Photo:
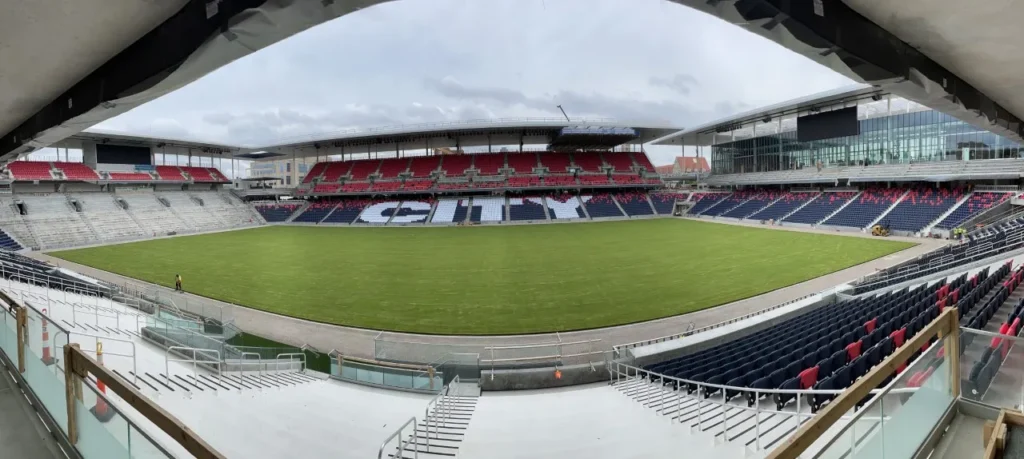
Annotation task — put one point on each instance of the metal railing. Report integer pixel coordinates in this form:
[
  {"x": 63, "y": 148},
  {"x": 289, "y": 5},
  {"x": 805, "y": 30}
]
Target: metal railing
[
  {"x": 670, "y": 384},
  {"x": 195, "y": 361},
  {"x": 61, "y": 398},
  {"x": 402, "y": 444},
  {"x": 442, "y": 414}
]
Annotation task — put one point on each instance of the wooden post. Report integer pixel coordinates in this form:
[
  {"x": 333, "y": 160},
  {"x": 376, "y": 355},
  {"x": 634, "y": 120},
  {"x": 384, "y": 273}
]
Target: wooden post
[
  {"x": 21, "y": 316},
  {"x": 952, "y": 354},
  {"x": 72, "y": 391}
]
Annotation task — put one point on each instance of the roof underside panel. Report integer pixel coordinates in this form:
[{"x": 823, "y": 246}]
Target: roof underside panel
[
  {"x": 832, "y": 34},
  {"x": 194, "y": 40}
]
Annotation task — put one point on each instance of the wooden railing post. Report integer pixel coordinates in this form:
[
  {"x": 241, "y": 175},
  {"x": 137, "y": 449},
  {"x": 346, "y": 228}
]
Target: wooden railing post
[
  {"x": 72, "y": 391},
  {"x": 21, "y": 316}
]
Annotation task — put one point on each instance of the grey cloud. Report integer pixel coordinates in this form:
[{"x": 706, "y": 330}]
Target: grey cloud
[
  {"x": 680, "y": 83},
  {"x": 578, "y": 104}
]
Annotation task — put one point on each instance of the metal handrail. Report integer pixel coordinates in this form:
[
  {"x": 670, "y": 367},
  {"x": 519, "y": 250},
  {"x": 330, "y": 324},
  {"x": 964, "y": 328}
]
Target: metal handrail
[
  {"x": 135, "y": 368},
  {"x": 290, "y": 354},
  {"x": 401, "y": 443},
  {"x": 194, "y": 360},
  {"x": 725, "y": 405},
  {"x": 259, "y": 366}
]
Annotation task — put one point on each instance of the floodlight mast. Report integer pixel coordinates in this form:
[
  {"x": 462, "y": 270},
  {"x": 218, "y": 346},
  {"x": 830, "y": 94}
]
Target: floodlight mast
[{"x": 563, "y": 113}]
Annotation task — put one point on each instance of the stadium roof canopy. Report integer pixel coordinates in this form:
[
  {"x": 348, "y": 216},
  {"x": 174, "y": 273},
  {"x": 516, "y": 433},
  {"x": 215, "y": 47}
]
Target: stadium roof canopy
[
  {"x": 384, "y": 140},
  {"x": 553, "y": 132},
  {"x": 960, "y": 58},
  {"x": 69, "y": 64},
  {"x": 704, "y": 134}
]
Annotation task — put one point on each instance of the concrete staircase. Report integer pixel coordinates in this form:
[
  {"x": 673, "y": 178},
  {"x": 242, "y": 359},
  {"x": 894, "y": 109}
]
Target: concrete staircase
[
  {"x": 928, "y": 229},
  {"x": 893, "y": 206},
  {"x": 441, "y": 433},
  {"x": 801, "y": 206},
  {"x": 732, "y": 423}
]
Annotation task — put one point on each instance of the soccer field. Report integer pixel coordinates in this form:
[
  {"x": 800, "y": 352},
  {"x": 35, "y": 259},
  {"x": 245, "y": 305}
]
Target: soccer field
[{"x": 488, "y": 279}]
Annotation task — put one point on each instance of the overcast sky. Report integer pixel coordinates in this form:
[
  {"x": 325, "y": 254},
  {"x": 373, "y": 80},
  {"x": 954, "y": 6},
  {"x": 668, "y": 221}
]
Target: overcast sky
[{"x": 415, "y": 61}]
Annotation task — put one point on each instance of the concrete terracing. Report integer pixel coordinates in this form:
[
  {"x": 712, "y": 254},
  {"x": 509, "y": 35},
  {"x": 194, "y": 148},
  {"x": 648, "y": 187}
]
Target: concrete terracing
[{"x": 424, "y": 348}]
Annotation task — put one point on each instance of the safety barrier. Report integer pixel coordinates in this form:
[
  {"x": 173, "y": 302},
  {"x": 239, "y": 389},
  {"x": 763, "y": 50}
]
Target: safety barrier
[
  {"x": 400, "y": 450},
  {"x": 73, "y": 403},
  {"x": 908, "y": 427}
]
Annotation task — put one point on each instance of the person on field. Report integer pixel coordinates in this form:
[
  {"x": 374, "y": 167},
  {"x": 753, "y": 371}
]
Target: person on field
[{"x": 177, "y": 283}]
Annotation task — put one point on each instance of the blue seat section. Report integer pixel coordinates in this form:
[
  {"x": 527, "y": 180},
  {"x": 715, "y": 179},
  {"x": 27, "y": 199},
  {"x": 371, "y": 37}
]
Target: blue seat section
[
  {"x": 820, "y": 208},
  {"x": 32, "y": 271},
  {"x": 704, "y": 201},
  {"x": 7, "y": 242},
  {"x": 782, "y": 207},
  {"x": 664, "y": 203},
  {"x": 830, "y": 346},
  {"x": 273, "y": 213},
  {"x": 601, "y": 205},
  {"x": 974, "y": 205},
  {"x": 316, "y": 212},
  {"x": 461, "y": 211},
  {"x": 866, "y": 208},
  {"x": 984, "y": 243},
  {"x": 920, "y": 207},
  {"x": 530, "y": 209},
  {"x": 636, "y": 204},
  {"x": 347, "y": 211},
  {"x": 733, "y": 200},
  {"x": 757, "y": 202}
]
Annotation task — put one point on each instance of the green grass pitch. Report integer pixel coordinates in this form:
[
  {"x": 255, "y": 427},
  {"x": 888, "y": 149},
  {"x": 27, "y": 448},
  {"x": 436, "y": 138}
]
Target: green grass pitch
[{"x": 488, "y": 279}]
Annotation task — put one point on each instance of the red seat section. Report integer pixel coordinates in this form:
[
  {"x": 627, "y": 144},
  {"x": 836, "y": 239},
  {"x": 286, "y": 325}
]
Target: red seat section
[
  {"x": 387, "y": 186},
  {"x": 30, "y": 170},
  {"x": 170, "y": 173},
  {"x": 489, "y": 163},
  {"x": 326, "y": 188},
  {"x": 315, "y": 172},
  {"x": 130, "y": 176},
  {"x": 203, "y": 174},
  {"x": 454, "y": 185},
  {"x": 522, "y": 163},
  {"x": 390, "y": 168},
  {"x": 357, "y": 187},
  {"x": 619, "y": 160},
  {"x": 627, "y": 179},
  {"x": 523, "y": 181},
  {"x": 644, "y": 161},
  {"x": 588, "y": 161},
  {"x": 557, "y": 163},
  {"x": 335, "y": 171},
  {"x": 594, "y": 180},
  {"x": 560, "y": 180},
  {"x": 418, "y": 184},
  {"x": 76, "y": 171},
  {"x": 422, "y": 166},
  {"x": 362, "y": 169},
  {"x": 456, "y": 165}
]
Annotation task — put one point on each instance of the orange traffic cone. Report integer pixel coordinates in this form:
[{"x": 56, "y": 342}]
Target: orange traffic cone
[
  {"x": 101, "y": 410},
  {"x": 47, "y": 358}
]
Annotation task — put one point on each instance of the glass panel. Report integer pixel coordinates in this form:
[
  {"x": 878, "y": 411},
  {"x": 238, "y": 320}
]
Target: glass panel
[
  {"x": 102, "y": 431},
  {"x": 42, "y": 374},
  {"x": 989, "y": 368}
]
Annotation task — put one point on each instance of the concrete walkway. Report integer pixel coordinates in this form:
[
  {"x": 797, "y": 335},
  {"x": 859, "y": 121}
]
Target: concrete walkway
[
  {"x": 426, "y": 348},
  {"x": 22, "y": 434}
]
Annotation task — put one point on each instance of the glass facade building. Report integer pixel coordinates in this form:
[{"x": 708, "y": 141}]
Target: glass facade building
[{"x": 913, "y": 136}]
